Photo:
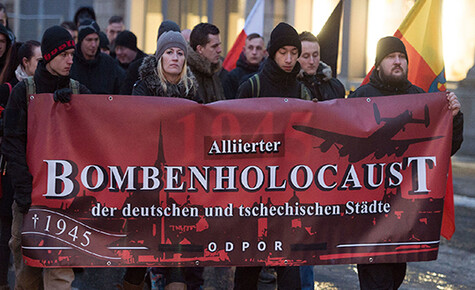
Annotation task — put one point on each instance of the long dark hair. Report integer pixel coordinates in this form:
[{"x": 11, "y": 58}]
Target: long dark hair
[
  {"x": 11, "y": 63},
  {"x": 17, "y": 52}
]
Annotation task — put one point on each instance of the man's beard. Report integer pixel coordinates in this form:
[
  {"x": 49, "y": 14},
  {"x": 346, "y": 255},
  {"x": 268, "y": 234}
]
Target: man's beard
[{"x": 393, "y": 80}]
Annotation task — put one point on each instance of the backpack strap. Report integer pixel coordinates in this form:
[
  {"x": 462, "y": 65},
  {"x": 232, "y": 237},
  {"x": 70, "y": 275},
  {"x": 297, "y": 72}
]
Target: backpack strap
[
  {"x": 255, "y": 85},
  {"x": 30, "y": 88},
  {"x": 74, "y": 86}
]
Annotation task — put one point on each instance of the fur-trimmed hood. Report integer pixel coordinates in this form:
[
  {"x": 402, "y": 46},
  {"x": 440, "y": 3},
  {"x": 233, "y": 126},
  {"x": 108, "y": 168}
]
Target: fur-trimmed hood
[
  {"x": 324, "y": 72},
  {"x": 201, "y": 65},
  {"x": 149, "y": 76}
]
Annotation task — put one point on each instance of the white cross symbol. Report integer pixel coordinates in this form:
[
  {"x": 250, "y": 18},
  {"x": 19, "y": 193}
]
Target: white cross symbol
[{"x": 35, "y": 218}]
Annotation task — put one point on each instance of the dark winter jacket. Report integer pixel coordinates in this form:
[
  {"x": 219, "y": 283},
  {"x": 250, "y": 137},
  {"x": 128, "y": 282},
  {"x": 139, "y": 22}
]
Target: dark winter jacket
[
  {"x": 241, "y": 73},
  {"x": 150, "y": 85},
  {"x": 211, "y": 77},
  {"x": 275, "y": 82},
  {"x": 140, "y": 55},
  {"x": 322, "y": 85},
  {"x": 14, "y": 140},
  {"x": 100, "y": 75},
  {"x": 376, "y": 88},
  {"x": 131, "y": 77}
]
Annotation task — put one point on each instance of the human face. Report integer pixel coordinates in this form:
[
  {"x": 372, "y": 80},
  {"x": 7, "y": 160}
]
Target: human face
[
  {"x": 310, "y": 57},
  {"x": 172, "y": 64},
  {"x": 30, "y": 65},
  {"x": 61, "y": 64},
  {"x": 286, "y": 57},
  {"x": 393, "y": 68},
  {"x": 3, "y": 44},
  {"x": 90, "y": 45},
  {"x": 113, "y": 30},
  {"x": 125, "y": 54},
  {"x": 254, "y": 50},
  {"x": 212, "y": 50}
]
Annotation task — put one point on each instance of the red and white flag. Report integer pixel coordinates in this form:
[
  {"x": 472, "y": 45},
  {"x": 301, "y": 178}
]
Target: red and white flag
[{"x": 254, "y": 24}]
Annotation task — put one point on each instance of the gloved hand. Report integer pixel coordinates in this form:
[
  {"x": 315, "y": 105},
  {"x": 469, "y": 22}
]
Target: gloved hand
[{"x": 63, "y": 95}]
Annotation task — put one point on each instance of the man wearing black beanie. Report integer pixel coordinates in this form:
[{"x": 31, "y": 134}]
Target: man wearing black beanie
[
  {"x": 387, "y": 79},
  {"x": 126, "y": 49},
  {"x": 51, "y": 76},
  {"x": 96, "y": 70},
  {"x": 278, "y": 78}
]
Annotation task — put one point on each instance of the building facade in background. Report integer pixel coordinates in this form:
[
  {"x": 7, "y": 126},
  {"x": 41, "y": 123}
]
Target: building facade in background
[{"x": 363, "y": 23}]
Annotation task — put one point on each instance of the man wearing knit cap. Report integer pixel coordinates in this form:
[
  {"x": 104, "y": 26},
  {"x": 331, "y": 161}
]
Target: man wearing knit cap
[
  {"x": 51, "y": 76},
  {"x": 390, "y": 78},
  {"x": 278, "y": 78},
  {"x": 126, "y": 50},
  {"x": 204, "y": 59},
  {"x": 132, "y": 74},
  {"x": 99, "y": 72}
]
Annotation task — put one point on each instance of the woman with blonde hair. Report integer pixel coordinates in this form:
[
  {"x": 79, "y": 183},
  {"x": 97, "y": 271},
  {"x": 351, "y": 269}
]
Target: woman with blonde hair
[{"x": 166, "y": 73}]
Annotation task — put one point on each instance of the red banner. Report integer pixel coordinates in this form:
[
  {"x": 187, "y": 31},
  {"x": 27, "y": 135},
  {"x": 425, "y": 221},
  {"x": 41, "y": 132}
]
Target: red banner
[{"x": 146, "y": 181}]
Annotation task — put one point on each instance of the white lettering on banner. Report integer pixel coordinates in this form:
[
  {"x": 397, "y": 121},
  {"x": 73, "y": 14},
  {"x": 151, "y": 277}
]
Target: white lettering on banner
[
  {"x": 239, "y": 147},
  {"x": 62, "y": 177},
  {"x": 261, "y": 246}
]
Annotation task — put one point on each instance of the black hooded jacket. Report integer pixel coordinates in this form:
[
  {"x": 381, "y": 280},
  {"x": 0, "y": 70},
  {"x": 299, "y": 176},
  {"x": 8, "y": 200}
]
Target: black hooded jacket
[
  {"x": 376, "y": 88},
  {"x": 101, "y": 75},
  {"x": 15, "y": 132},
  {"x": 322, "y": 85},
  {"x": 242, "y": 72},
  {"x": 275, "y": 82}
]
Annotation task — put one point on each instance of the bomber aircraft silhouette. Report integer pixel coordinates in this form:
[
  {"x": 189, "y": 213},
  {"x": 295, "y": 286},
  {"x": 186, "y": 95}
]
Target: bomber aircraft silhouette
[{"x": 380, "y": 142}]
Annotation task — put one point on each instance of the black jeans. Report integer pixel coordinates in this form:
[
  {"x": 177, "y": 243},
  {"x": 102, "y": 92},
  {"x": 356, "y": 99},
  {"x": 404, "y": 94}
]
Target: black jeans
[
  {"x": 246, "y": 278},
  {"x": 381, "y": 276}
]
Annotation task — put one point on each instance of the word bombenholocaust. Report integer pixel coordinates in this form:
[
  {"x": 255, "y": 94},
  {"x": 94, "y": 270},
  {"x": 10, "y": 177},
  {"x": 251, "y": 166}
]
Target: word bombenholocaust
[{"x": 64, "y": 178}]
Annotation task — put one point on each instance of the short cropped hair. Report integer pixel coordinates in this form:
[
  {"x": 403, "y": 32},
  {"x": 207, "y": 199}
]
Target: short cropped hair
[
  {"x": 116, "y": 19},
  {"x": 254, "y": 35},
  {"x": 199, "y": 34},
  {"x": 307, "y": 36}
]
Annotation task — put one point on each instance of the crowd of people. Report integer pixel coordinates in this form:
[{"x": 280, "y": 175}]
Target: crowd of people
[{"x": 76, "y": 57}]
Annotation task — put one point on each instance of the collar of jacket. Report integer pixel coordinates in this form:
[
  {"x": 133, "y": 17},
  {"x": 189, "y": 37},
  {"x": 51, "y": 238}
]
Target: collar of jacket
[
  {"x": 242, "y": 63},
  {"x": 272, "y": 71},
  {"x": 201, "y": 65},
  {"x": 323, "y": 74},
  {"x": 46, "y": 82}
]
